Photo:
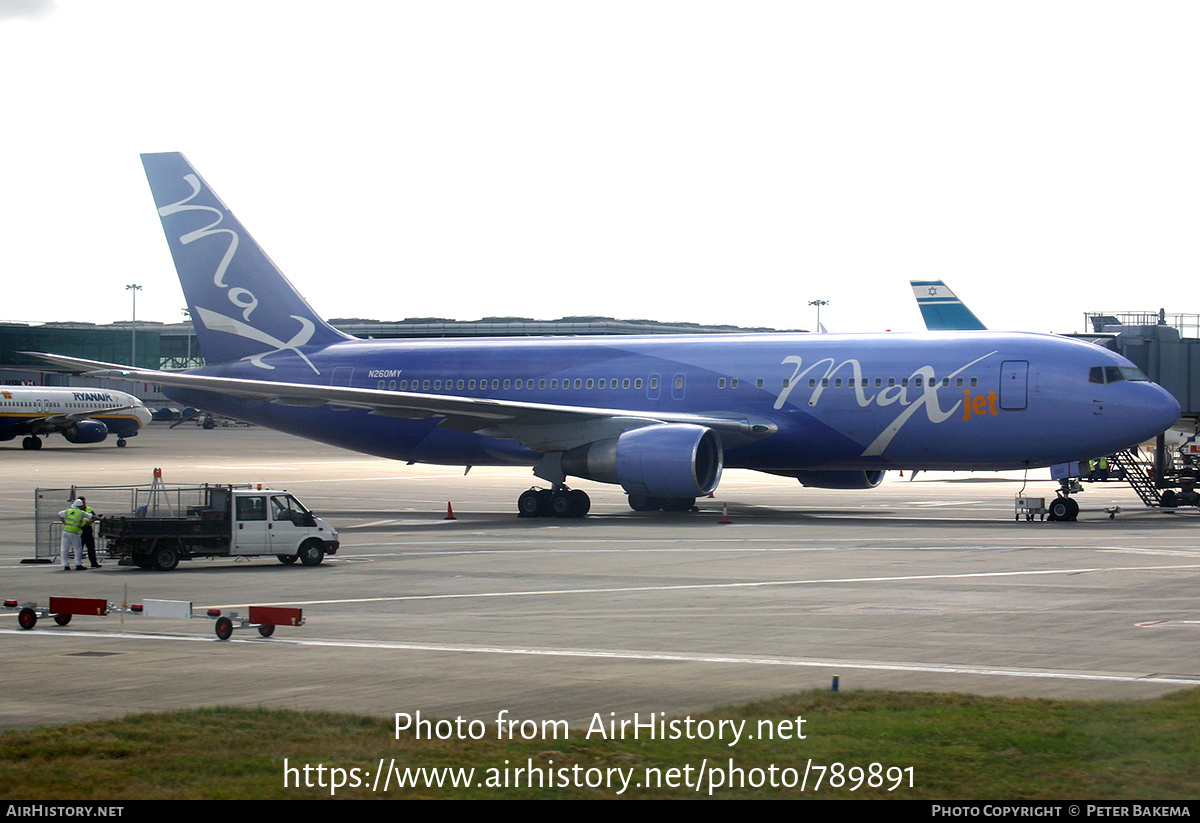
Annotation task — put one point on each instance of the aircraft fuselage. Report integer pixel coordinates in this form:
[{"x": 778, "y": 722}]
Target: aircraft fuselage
[{"x": 983, "y": 401}]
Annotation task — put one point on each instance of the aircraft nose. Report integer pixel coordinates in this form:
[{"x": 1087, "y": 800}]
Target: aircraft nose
[{"x": 1163, "y": 410}]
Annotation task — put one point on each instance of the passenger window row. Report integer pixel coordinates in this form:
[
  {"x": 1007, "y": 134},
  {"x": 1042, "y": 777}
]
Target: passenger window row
[{"x": 518, "y": 384}]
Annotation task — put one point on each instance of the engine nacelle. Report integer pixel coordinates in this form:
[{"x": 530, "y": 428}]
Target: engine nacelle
[
  {"x": 840, "y": 479},
  {"x": 86, "y": 431},
  {"x": 663, "y": 460}
]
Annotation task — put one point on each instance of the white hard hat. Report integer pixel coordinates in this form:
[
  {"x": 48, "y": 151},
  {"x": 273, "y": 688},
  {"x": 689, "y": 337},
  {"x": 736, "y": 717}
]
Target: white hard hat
[{"x": 78, "y": 504}]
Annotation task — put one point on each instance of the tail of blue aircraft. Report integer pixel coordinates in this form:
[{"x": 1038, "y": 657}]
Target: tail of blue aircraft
[
  {"x": 941, "y": 309},
  {"x": 242, "y": 306}
]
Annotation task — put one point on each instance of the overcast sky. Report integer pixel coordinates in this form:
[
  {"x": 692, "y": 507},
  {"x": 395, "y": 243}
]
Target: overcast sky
[{"x": 711, "y": 162}]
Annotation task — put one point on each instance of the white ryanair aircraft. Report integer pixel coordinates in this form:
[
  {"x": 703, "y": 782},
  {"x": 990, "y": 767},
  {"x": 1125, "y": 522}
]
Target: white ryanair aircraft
[{"x": 80, "y": 415}]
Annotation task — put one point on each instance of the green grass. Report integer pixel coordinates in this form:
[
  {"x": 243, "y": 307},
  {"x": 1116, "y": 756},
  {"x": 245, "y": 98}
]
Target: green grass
[{"x": 958, "y": 747}]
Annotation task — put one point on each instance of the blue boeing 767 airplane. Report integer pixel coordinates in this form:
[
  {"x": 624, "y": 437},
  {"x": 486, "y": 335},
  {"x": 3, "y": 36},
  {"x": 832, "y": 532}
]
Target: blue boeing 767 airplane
[{"x": 660, "y": 416}]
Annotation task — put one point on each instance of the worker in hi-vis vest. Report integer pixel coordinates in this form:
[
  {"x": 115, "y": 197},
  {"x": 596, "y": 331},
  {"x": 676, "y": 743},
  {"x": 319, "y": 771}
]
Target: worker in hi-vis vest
[{"x": 72, "y": 534}]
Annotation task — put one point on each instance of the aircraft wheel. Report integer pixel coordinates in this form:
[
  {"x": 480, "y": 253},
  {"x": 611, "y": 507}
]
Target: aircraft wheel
[
  {"x": 1064, "y": 509},
  {"x": 1072, "y": 510},
  {"x": 62, "y": 619},
  {"x": 122, "y": 443},
  {"x": 560, "y": 504},
  {"x": 224, "y": 628},
  {"x": 1170, "y": 499},
  {"x": 32, "y": 443},
  {"x": 570, "y": 503},
  {"x": 580, "y": 503},
  {"x": 266, "y": 630},
  {"x": 533, "y": 503},
  {"x": 312, "y": 553},
  {"x": 287, "y": 559},
  {"x": 643, "y": 503},
  {"x": 27, "y": 618}
]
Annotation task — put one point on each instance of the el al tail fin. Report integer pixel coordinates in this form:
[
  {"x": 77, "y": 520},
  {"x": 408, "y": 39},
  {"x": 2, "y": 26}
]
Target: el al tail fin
[
  {"x": 942, "y": 310},
  {"x": 242, "y": 306}
]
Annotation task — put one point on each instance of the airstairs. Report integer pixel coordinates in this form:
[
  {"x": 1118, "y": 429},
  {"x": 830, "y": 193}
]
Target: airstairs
[{"x": 1135, "y": 474}]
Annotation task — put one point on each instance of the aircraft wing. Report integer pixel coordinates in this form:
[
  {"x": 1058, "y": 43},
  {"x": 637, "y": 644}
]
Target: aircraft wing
[{"x": 540, "y": 426}]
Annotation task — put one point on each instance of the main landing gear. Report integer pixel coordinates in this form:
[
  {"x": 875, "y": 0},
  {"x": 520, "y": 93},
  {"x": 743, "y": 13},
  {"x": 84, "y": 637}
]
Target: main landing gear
[
  {"x": 558, "y": 502},
  {"x": 32, "y": 442}
]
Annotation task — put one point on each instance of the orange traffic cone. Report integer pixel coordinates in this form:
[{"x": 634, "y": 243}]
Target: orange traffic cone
[
  {"x": 724, "y": 514},
  {"x": 449, "y": 512}
]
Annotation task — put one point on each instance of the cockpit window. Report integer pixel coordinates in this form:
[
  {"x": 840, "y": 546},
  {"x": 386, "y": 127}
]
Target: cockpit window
[{"x": 1114, "y": 374}]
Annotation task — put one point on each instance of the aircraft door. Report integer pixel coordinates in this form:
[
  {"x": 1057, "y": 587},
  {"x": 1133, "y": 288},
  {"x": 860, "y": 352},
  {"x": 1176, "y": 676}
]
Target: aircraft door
[{"x": 1014, "y": 384}]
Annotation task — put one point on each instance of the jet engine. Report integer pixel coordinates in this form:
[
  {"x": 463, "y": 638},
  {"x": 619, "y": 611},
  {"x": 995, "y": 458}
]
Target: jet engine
[
  {"x": 86, "y": 431},
  {"x": 675, "y": 460},
  {"x": 839, "y": 479}
]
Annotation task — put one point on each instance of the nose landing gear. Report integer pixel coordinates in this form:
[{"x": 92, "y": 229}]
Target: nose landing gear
[{"x": 1064, "y": 507}]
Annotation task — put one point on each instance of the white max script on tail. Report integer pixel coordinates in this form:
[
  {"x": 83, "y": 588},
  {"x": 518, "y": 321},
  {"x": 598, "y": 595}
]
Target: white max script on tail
[{"x": 243, "y": 298}]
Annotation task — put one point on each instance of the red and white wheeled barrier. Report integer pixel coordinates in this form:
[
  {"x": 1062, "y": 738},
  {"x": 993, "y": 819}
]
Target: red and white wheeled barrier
[{"x": 62, "y": 609}]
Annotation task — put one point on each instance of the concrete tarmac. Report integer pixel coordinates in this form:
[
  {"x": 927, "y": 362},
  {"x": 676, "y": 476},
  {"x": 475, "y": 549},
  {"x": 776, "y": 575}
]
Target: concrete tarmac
[{"x": 928, "y": 584}]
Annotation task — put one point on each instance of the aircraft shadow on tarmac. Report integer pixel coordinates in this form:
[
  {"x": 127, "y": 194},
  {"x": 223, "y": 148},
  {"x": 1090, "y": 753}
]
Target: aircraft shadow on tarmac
[{"x": 655, "y": 522}]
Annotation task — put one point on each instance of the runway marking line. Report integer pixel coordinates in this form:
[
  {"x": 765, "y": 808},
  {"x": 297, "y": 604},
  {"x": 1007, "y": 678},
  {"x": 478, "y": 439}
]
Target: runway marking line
[
  {"x": 699, "y": 586},
  {"x": 667, "y": 657}
]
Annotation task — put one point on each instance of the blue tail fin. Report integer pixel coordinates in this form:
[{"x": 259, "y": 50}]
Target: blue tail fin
[
  {"x": 242, "y": 306},
  {"x": 941, "y": 309}
]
